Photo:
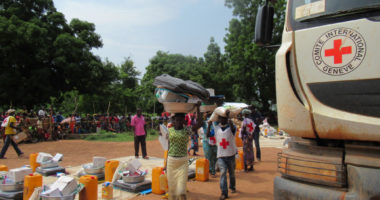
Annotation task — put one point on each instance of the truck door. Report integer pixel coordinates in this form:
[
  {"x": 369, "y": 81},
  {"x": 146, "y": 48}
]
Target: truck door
[{"x": 336, "y": 45}]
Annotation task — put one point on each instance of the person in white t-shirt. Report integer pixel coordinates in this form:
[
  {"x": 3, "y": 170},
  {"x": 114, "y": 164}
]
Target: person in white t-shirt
[{"x": 225, "y": 140}]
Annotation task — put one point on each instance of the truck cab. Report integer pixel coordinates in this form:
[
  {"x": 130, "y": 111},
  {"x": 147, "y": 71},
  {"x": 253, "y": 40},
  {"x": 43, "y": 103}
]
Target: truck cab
[{"x": 328, "y": 98}]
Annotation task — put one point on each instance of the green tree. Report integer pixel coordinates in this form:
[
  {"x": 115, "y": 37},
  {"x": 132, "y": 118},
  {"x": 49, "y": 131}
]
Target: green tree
[
  {"x": 128, "y": 74},
  {"x": 121, "y": 94},
  {"x": 177, "y": 65},
  {"x": 216, "y": 71},
  {"x": 124, "y": 91},
  {"x": 42, "y": 56},
  {"x": 252, "y": 67}
]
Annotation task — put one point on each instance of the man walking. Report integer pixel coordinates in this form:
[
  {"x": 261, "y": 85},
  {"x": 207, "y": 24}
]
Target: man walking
[
  {"x": 9, "y": 124},
  {"x": 209, "y": 145},
  {"x": 139, "y": 130},
  {"x": 257, "y": 119},
  {"x": 225, "y": 139}
]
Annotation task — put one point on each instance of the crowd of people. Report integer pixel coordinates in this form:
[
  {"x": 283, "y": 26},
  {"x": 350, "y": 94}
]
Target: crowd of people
[
  {"x": 43, "y": 121},
  {"x": 218, "y": 139}
]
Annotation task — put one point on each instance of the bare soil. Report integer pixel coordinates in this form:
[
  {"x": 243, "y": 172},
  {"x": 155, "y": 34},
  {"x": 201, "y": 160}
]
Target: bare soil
[{"x": 252, "y": 185}]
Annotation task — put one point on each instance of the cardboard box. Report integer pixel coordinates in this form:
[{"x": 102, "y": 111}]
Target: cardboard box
[
  {"x": 20, "y": 137},
  {"x": 98, "y": 162},
  {"x": 65, "y": 184},
  {"x": 43, "y": 157},
  {"x": 18, "y": 174},
  {"x": 57, "y": 157}
]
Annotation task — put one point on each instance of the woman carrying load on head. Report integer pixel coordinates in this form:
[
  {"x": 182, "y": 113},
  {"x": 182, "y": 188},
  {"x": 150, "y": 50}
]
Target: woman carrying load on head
[
  {"x": 177, "y": 160},
  {"x": 246, "y": 134}
]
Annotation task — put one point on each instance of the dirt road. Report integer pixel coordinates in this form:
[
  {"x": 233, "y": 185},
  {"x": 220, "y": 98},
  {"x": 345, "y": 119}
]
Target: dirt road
[{"x": 253, "y": 185}]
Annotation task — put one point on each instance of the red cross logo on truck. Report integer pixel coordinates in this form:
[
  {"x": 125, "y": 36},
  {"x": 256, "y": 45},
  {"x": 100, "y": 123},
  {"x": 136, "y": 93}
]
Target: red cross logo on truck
[
  {"x": 338, "y": 51},
  {"x": 224, "y": 143}
]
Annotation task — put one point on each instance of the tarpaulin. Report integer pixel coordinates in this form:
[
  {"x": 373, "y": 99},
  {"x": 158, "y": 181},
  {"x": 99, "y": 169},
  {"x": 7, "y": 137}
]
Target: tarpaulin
[{"x": 181, "y": 86}]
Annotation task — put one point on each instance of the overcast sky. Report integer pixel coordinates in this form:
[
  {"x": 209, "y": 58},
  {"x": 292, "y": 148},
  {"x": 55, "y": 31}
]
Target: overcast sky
[{"x": 140, "y": 28}]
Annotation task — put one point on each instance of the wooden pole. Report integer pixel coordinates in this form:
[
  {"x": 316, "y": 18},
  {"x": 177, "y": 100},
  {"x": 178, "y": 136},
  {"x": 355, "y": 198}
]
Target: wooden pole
[
  {"x": 76, "y": 105},
  {"x": 108, "y": 109}
]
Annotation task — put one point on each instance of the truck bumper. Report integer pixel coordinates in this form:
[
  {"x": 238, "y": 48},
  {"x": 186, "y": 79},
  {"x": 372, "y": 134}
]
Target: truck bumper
[
  {"x": 285, "y": 189},
  {"x": 363, "y": 183}
]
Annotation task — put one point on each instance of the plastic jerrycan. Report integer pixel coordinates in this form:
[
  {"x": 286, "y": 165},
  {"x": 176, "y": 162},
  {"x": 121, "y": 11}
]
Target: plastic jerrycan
[
  {"x": 31, "y": 181},
  {"x": 3, "y": 168},
  {"x": 202, "y": 169},
  {"x": 164, "y": 181},
  {"x": 33, "y": 161},
  {"x": 238, "y": 141},
  {"x": 109, "y": 169},
  {"x": 239, "y": 161},
  {"x": 156, "y": 173},
  {"x": 90, "y": 190},
  {"x": 107, "y": 191}
]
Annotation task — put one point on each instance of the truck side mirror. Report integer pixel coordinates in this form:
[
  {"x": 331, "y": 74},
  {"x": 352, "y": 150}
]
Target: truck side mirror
[{"x": 264, "y": 25}]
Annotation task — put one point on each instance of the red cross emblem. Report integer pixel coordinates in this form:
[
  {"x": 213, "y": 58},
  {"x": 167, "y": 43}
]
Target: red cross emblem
[
  {"x": 250, "y": 127},
  {"x": 224, "y": 143},
  {"x": 338, "y": 51}
]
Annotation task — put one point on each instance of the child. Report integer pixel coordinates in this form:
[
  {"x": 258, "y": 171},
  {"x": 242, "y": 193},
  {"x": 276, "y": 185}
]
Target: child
[
  {"x": 194, "y": 138},
  {"x": 225, "y": 140},
  {"x": 194, "y": 144},
  {"x": 246, "y": 134},
  {"x": 40, "y": 128},
  {"x": 209, "y": 145}
]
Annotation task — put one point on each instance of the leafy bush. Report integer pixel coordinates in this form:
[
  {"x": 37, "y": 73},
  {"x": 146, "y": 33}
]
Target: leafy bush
[{"x": 118, "y": 137}]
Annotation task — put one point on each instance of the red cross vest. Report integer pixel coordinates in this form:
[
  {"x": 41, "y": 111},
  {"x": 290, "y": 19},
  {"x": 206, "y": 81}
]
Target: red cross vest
[{"x": 225, "y": 140}]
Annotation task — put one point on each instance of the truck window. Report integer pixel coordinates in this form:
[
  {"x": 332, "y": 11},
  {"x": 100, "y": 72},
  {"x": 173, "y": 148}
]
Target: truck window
[{"x": 308, "y": 13}]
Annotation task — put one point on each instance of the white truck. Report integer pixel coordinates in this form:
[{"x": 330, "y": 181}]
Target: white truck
[{"x": 328, "y": 98}]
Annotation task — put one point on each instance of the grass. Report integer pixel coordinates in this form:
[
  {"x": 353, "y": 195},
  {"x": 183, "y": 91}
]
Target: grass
[{"x": 118, "y": 137}]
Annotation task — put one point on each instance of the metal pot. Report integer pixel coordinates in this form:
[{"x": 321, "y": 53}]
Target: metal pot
[
  {"x": 133, "y": 179},
  {"x": 12, "y": 187},
  {"x": 89, "y": 170},
  {"x": 50, "y": 164},
  {"x": 67, "y": 197}
]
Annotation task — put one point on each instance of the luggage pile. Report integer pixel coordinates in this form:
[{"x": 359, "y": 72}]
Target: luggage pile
[
  {"x": 95, "y": 168},
  {"x": 177, "y": 95},
  {"x": 65, "y": 187},
  {"x": 12, "y": 182},
  {"x": 128, "y": 176},
  {"x": 49, "y": 165}
]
